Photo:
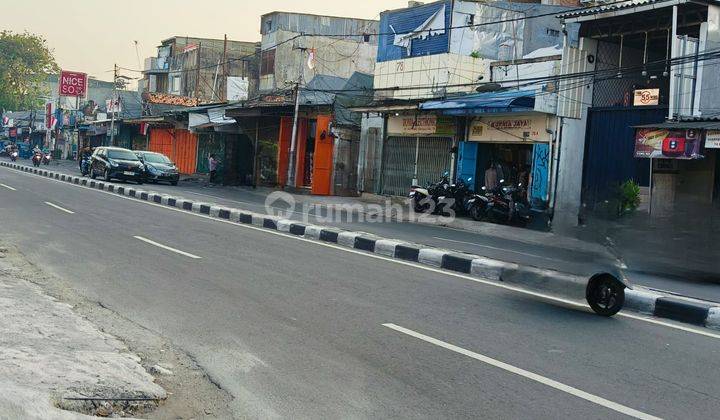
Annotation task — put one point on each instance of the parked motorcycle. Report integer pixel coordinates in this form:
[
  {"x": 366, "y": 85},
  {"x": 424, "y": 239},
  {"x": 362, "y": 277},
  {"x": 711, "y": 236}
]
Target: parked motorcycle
[
  {"x": 37, "y": 159},
  {"x": 426, "y": 200},
  {"x": 14, "y": 156},
  {"x": 46, "y": 158},
  {"x": 507, "y": 205}
]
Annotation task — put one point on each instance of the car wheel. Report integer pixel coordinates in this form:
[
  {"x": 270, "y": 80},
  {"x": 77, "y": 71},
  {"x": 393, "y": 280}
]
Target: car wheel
[
  {"x": 92, "y": 173},
  {"x": 173, "y": 183},
  {"x": 106, "y": 175}
]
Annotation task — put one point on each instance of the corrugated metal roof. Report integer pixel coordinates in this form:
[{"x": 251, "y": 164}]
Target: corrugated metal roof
[{"x": 610, "y": 7}]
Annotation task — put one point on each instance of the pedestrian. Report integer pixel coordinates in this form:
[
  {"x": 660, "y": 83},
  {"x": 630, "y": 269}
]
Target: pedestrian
[{"x": 213, "y": 165}]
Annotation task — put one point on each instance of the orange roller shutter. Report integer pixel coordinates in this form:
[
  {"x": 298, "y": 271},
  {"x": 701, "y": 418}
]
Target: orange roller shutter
[{"x": 323, "y": 157}]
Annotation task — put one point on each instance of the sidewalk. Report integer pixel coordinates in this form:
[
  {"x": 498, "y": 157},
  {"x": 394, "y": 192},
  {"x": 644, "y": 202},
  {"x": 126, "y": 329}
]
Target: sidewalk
[
  {"x": 651, "y": 262},
  {"x": 52, "y": 360}
]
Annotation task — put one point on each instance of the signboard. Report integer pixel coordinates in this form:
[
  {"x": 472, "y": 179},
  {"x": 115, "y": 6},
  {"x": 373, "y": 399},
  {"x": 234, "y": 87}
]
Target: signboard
[
  {"x": 72, "y": 83},
  {"x": 712, "y": 139},
  {"x": 659, "y": 143},
  {"x": 510, "y": 129},
  {"x": 646, "y": 97},
  {"x": 48, "y": 115},
  {"x": 113, "y": 106},
  {"x": 421, "y": 125}
]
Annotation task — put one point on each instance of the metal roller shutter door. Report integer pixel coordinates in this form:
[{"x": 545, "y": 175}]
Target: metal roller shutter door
[{"x": 433, "y": 159}]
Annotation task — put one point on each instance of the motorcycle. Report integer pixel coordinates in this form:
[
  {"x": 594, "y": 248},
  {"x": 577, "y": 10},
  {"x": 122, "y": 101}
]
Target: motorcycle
[
  {"x": 37, "y": 159},
  {"x": 14, "y": 156},
  {"x": 85, "y": 166},
  {"x": 507, "y": 205},
  {"x": 46, "y": 158},
  {"x": 426, "y": 199}
]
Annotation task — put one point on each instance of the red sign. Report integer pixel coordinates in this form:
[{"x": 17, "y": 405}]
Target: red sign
[
  {"x": 48, "y": 114},
  {"x": 73, "y": 83}
]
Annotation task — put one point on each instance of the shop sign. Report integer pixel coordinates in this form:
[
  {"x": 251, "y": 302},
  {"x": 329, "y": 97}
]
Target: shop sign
[
  {"x": 421, "y": 125},
  {"x": 658, "y": 143},
  {"x": 73, "y": 83},
  {"x": 510, "y": 129},
  {"x": 646, "y": 97},
  {"x": 712, "y": 139}
]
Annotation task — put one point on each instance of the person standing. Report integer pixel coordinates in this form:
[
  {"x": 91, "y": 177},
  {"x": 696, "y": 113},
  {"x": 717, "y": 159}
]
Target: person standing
[{"x": 213, "y": 165}]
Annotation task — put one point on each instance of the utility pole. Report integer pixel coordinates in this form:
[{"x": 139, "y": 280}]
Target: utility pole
[
  {"x": 197, "y": 72},
  {"x": 223, "y": 94},
  {"x": 293, "y": 141},
  {"x": 112, "y": 106}
]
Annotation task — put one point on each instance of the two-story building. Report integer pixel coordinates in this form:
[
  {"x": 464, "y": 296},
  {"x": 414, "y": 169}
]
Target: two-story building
[
  {"x": 204, "y": 69},
  {"x": 649, "y": 95},
  {"x": 430, "y": 56},
  {"x": 309, "y": 58}
]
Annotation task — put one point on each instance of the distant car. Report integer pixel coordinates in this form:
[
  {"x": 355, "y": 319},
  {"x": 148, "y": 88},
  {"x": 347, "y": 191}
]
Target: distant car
[
  {"x": 116, "y": 163},
  {"x": 159, "y": 167}
]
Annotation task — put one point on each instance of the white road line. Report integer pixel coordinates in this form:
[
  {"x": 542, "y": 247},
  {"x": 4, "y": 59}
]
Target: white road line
[
  {"x": 159, "y": 245},
  {"x": 650, "y": 320},
  {"x": 8, "y": 187},
  {"x": 497, "y": 249},
  {"x": 59, "y": 208},
  {"x": 527, "y": 374}
]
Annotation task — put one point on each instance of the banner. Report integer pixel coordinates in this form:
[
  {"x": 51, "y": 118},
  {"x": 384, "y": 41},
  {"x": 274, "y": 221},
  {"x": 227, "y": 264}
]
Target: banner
[
  {"x": 659, "y": 143},
  {"x": 72, "y": 83},
  {"x": 712, "y": 139},
  {"x": 421, "y": 125}
]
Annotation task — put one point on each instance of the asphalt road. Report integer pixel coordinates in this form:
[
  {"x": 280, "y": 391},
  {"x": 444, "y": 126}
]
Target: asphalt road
[
  {"x": 294, "y": 328},
  {"x": 511, "y": 248}
]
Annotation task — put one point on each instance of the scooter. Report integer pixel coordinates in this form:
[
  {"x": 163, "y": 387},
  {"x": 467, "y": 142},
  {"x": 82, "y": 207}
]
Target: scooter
[
  {"x": 426, "y": 200},
  {"x": 37, "y": 159},
  {"x": 506, "y": 205},
  {"x": 14, "y": 156},
  {"x": 46, "y": 158},
  {"x": 85, "y": 166}
]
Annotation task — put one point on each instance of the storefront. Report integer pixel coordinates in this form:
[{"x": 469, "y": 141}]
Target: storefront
[
  {"x": 313, "y": 153},
  {"x": 417, "y": 151},
  {"x": 684, "y": 174},
  {"x": 514, "y": 148}
]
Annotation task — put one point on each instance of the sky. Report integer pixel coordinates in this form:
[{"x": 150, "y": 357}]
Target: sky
[{"x": 90, "y": 35}]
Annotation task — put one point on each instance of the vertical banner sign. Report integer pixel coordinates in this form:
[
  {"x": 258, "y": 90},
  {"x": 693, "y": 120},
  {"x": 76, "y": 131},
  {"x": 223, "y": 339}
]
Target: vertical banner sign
[
  {"x": 48, "y": 115},
  {"x": 73, "y": 83}
]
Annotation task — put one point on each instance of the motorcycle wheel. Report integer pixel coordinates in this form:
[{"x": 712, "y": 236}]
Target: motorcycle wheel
[
  {"x": 92, "y": 174},
  {"x": 476, "y": 214},
  {"x": 605, "y": 295},
  {"x": 419, "y": 208}
]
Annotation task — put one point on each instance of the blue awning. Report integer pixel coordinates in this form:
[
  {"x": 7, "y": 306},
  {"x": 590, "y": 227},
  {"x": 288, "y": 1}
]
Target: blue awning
[{"x": 483, "y": 103}]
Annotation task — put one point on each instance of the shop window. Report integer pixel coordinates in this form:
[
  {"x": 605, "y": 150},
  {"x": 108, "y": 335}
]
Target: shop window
[
  {"x": 175, "y": 84},
  {"x": 267, "y": 63}
]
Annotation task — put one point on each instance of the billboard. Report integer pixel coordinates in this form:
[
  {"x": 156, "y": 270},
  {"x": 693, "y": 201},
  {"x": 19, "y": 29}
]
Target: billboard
[
  {"x": 72, "y": 83},
  {"x": 667, "y": 144}
]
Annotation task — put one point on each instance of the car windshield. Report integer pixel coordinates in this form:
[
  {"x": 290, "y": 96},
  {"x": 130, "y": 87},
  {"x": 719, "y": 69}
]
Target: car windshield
[
  {"x": 156, "y": 158},
  {"x": 122, "y": 155}
]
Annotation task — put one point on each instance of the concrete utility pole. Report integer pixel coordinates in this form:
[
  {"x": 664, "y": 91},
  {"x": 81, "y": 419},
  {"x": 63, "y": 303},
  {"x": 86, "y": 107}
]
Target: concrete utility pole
[
  {"x": 112, "y": 106},
  {"x": 197, "y": 72},
  {"x": 293, "y": 141}
]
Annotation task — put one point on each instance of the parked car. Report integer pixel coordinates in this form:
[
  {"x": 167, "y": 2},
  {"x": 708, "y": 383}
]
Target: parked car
[
  {"x": 117, "y": 163},
  {"x": 159, "y": 167}
]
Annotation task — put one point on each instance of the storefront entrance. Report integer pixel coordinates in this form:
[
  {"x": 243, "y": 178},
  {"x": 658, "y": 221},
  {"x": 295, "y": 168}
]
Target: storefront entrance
[
  {"x": 408, "y": 160},
  {"x": 314, "y": 153}
]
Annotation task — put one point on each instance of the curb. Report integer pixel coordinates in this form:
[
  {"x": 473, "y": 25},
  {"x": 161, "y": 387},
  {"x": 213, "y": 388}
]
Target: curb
[{"x": 527, "y": 277}]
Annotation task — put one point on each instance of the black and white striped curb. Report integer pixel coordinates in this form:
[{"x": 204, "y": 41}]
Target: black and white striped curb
[{"x": 548, "y": 282}]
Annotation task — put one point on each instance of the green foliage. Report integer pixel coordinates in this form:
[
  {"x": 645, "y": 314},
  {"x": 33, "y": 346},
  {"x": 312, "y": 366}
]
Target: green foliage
[
  {"x": 25, "y": 62},
  {"x": 629, "y": 196},
  {"x": 475, "y": 54}
]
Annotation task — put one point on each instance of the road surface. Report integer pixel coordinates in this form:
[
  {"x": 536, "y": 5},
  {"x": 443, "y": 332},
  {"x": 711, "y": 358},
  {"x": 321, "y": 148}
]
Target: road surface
[{"x": 295, "y": 328}]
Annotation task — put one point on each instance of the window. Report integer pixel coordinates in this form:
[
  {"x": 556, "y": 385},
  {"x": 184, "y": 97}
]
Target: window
[
  {"x": 267, "y": 63},
  {"x": 175, "y": 84}
]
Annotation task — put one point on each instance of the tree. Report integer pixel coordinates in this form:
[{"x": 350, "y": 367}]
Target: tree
[{"x": 25, "y": 62}]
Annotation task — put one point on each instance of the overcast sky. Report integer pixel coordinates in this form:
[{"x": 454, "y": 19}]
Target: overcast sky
[{"x": 91, "y": 35}]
